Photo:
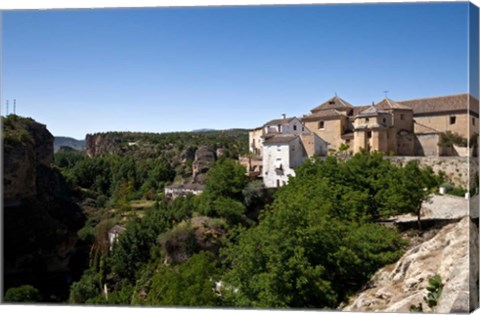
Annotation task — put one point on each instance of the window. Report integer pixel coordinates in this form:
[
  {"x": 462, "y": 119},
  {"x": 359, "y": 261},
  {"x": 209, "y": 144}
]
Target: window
[
  {"x": 384, "y": 120},
  {"x": 294, "y": 127},
  {"x": 367, "y": 119},
  {"x": 303, "y": 128},
  {"x": 369, "y": 134},
  {"x": 321, "y": 125},
  {"x": 453, "y": 120},
  {"x": 402, "y": 116}
]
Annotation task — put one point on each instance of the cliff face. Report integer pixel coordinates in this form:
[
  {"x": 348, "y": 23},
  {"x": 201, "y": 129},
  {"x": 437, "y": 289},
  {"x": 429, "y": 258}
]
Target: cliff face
[
  {"x": 27, "y": 145},
  {"x": 40, "y": 218},
  {"x": 99, "y": 144},
  {"x": 397, "y": 287},
  {"x": 204, "y": 159}
]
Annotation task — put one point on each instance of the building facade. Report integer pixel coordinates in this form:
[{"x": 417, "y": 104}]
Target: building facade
[
  {"x": 278, "y": 147},
  {"x": 403, "y": 128}
]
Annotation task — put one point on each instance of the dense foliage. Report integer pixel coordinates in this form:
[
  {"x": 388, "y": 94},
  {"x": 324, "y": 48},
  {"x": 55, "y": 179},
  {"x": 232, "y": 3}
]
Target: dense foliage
[
  {"x": 22, "y": 294},
  {"x": 317, "y": 240}
]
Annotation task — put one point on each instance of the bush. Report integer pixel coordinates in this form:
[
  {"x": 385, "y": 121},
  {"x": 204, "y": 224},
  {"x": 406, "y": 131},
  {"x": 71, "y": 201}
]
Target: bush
[{"x": 22, "y": 294}]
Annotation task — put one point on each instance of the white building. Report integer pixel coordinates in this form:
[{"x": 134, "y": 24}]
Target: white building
[
  {"x": 281, "y": 144},
  {"x": 283, "y": 152},
  {"x": 291, "y": 125},
  {"x": 174, "y": 191}
]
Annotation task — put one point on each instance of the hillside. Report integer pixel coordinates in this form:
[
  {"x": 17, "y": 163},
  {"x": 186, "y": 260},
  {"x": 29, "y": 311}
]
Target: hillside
[
  {"x": 142, "y": 145},
  {"x": 59, "y": 142}
]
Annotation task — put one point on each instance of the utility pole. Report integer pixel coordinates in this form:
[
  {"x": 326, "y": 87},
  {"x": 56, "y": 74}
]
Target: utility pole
[
  {"x": 7, "y": 109},
  {"x": 14, "y": 106}
]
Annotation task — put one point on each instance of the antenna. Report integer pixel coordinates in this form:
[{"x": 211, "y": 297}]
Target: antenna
[
  {"x": 7, "y": 109},
  {"x": 386, "y": 93},
  {"x": 14, "y": 106}
]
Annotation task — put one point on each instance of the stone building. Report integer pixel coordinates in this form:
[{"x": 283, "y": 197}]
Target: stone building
[
  {"x": 402, "y": 128},
  {"x": 405, "y": 128}
]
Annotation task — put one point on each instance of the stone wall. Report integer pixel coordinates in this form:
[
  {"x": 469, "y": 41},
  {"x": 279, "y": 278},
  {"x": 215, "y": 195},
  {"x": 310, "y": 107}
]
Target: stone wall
[
  {"x": 440, "y": 123},
  {"x": 456, "y": 168}
]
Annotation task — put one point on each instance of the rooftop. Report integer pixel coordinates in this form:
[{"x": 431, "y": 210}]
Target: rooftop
[
  {"x": 279, "y": 138},
  {"x": 333, "y": 103}
]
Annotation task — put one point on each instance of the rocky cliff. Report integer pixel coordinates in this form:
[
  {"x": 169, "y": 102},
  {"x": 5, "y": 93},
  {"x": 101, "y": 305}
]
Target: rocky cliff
[
  {"x": 395, "y": 288},
  {"x": 40, "y": 218},
  {"x": 27, "y": 145},
  {"x": 99, "y": 144}
]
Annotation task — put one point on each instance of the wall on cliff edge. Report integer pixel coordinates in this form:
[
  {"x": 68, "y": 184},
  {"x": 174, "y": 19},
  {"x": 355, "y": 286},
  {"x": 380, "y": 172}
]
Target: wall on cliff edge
[{"x": 456, "y": 168}]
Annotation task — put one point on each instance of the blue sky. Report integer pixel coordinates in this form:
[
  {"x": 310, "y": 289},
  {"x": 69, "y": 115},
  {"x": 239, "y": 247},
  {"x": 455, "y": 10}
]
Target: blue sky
[{"x": 173, "y": 69}]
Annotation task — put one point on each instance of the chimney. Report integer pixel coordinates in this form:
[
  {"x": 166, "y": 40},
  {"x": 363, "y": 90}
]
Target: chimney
[{"x": 284, "y": 116}]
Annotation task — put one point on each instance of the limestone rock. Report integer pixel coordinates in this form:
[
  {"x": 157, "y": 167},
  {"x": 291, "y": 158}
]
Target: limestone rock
[
  {"x": 395, "y": 288},
  {"x": 204, "y": 159}
]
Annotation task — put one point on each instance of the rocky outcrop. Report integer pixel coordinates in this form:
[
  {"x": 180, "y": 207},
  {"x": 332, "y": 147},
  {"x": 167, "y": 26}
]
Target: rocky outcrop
[
  {"x": 27, "y": 145},
  {"x": 200, "y": 233},
  {"x": 395, "y": 288},
  {"x": 40, "y": 218},
  {"x": 99, "y": 144},
  {"x": 204, "y": 159}
]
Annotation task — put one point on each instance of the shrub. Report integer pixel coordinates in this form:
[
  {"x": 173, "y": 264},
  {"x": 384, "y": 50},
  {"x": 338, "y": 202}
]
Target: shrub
[{"x": 22, "y": 294}]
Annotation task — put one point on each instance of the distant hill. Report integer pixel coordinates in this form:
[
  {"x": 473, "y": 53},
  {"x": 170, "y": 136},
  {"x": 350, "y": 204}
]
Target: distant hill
[
  {"x": 203, "y": 130},
  {"x": 78, "y": 145}
]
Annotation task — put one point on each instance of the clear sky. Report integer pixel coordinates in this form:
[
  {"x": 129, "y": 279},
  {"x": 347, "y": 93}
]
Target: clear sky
[{"x": 173, "y": 69}]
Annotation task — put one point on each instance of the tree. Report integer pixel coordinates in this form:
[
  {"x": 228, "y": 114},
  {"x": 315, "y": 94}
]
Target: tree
[
  {"x": 323, "y": 220},
  {"x": 408, "y": 188},
  {"x": 310, "y": 249},
  {"x": 22, "y": 294},
  {"x": 223, "y": 189},
  {"x": 188, "y": 284}
]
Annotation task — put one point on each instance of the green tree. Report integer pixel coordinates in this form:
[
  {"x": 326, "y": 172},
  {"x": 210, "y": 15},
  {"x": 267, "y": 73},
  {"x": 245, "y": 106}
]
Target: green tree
[
  {"x": 317, "y": 243},
  {"x": 223, "y": 188},
  {"x": 188, "y": 284},
  {"x": 408, "y": 187},
  {"x": 22, "y": 294},
  {"x": 88, "y": 289}
]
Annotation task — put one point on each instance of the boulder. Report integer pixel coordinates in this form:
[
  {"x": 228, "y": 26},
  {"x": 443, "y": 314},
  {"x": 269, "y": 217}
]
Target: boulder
[{"x": 395, "y": 288}]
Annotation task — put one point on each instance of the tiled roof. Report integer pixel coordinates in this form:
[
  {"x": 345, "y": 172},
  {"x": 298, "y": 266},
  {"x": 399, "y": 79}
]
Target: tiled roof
[
  {"x": 328, "y": 113},
  {"x": 372, "y": 111},
  {"x": 443, "y": 104},
  {"x": 358, "y": 109},
  {"x": 279, "y": 121},
  {"x": 333, "y": 103},
  {"x": 279, "y": 138},
  {"x": 387, "y": 103}
]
